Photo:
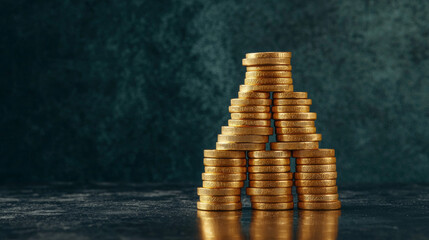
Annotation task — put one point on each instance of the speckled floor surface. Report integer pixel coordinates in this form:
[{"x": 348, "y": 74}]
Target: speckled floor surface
[{"x": 105, "y": 211}]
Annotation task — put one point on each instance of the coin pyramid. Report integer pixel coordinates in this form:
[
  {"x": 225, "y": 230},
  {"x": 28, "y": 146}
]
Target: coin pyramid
[{"x": 267, "y": 94}]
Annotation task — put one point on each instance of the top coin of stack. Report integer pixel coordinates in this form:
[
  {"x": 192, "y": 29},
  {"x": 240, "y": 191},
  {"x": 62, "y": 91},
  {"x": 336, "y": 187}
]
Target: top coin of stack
[
  {"x": 268, "y": 72},
  {"x": 225, "y": 173}
]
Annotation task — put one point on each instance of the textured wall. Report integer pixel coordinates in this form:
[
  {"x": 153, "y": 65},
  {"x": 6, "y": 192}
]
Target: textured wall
[{"x": 135, "y": 90}]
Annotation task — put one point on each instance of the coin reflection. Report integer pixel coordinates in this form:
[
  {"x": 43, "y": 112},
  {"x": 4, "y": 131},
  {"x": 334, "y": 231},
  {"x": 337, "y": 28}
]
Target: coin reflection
[
  {"x": 220, "y": 225},
  {"x": 271, "y": 225},
  {"x": 318, "y": 224}
]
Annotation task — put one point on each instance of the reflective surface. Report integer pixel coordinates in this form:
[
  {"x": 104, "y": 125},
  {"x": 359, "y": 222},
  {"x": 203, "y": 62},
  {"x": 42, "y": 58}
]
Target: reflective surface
[{"x": 168, "y": 212}]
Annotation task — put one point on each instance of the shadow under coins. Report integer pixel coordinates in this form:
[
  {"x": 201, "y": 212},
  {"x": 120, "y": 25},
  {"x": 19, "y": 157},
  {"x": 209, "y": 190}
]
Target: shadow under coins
[{"x": 269, "y": 225}]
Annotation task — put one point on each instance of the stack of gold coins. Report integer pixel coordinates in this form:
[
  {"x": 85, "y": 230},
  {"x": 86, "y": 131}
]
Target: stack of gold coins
[
  {"x": 270, "y": 180},
  {"x": 224, "y": 176},
  {"x": 294, "y": 122},
  {"x": 315, "y": 179}
]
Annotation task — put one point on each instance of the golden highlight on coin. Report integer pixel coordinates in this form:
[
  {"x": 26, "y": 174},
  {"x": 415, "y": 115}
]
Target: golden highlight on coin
[
  {"x": 291, "y": 95},
  {"x": 315, "y": 176},
  {"x": 268, "y": 169},
  {"x": 250, "y": 116},
  {"x": 227, "y": 130},
  {"x": 271, "y": 184},
  {"x": 225, "y": 162},
  {"x": 269, "y": 55},
  {"x": 268, "y": 199},
  {"x": 218, "y": 191},
  {"x": 270, "y": 68},
  {"x": 251, "y": 95},
  {"x": 250, "y": 102},
  {"x": 216, "y": 184},
  {"x": 269, "y": 161},
  {"x": 295, "y": 116},
  {"x": 266, "y": 88},
  {"x": 269, "y": 74},
  {"x": 302, "y": 130},
  {"x": 268, "y": 191},
  {"x": 315, "y": 183},
  {"x": 290, "y": 109},
  {"x": 211, "y": 153},
  {"x": 315, "y": 153},
  {"x": 265, "y": 61},
  {"x": 246, "y": 109},
  {"x": 270, "y": 176},
  {"x": 316, "y": 168},
  {"x": 317, "y": 197},
  {"x": 294, "y": 145},
  {"x": 240, "y": 146},
  {"x": 219, "y": 199},
  {"x": 317, "y": 190},
  {"x": 294, "y": 123},
  {"x": 232, "y": 177},
  {"x": 272, "y": 206},
  {"x": 299, "y": 138},
  {"x": 242, "y": 138},
  {"x": 248, "y": 122},
  {"x": 268, "y": 81},
  {"x": 292, "y": 102},
  {"x": 269, "y": 154},
  {"x": 316, "y": 161},
  {"x": 209, "y": 169}
]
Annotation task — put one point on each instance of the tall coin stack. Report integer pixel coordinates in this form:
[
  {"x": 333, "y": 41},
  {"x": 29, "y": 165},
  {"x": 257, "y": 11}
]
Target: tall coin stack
[
  {"x": 225, "y": 173},
  {"x": 315, "y": 179},
  {"x": 249, "y": 129},
  {"x": 270, "y": 180}
]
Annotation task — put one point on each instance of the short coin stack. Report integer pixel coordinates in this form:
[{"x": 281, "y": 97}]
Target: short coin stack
[
  {"x": 225, "y": 173},
  {"x": 294, "y": 122},
  {"x": 315, "y": 179},
  {"x": 270, "y": 180}
]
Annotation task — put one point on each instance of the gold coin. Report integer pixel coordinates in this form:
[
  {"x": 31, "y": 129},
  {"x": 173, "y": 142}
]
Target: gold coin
[
  {"x": 220, "y": 199},
  {"x": 316, "y": 168},
  {"x": 272, "y": 206},
  {"x": 270, "y": 68},
  {"x": 211, "y": 153},
  {"x": 302, "y": 130},
  {"x": 290, "y": 95},
  {"x": 239, "y": 116},
  {"x": 268, "y": 169},
  {"x": 218, "y": 191},
  {"x": 269, "y": 74},
  {"x": 315, "y": 153},
  {"x": 248, "y": 123},
  {"x": 242, "y": 138},
  {"x": 296, "y": 123},
  {"x": 268, "y": 191},
  {"x": 225, "y": 169},
  {"x": 319, "y": 205},
  {"x": 315, "y": 183},
  {"x": 294, "y": 145},
  {"x": 269, "y": 55},
  {"x": 292, "y": 102},
  {"x": 316, "y": 161},
  {"x": 317, "y": 197},
  {"x": 225, "y": 162},
  {"x": 299, "y": 138},
  {"x": 265, "y": 61},
  {"x": 289, "y": 109},
  {"x": 268, "y": 199},
  {"x": 227, "y": 130},
  {"x": 315, "y": 176},
  {"x": 270, "y": 176},
  {"x": 269, "y": 161},
  {"x": 216, "y": 184},
  {"x": 250, "y": 102},
  {"x": 250, "y": 95},
  {"x": 269, "y": 154},
  {"x": 266, "y": 88},
  {"x": 271, "y": 184},
  {"x": 218, "y": 206},
  {"x": 232, "y": 177},
  {"x": 268, "y": 81},
  {"x": 317, "y": 190},
  {"x": 246, "y": 109},
  {"x": 240, "y": 146},
  {"x": 292, "y": 116}
]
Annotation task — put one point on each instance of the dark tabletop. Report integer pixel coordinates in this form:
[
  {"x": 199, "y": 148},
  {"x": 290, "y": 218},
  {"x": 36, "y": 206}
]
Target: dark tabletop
[{"x": 105, "y": 211}]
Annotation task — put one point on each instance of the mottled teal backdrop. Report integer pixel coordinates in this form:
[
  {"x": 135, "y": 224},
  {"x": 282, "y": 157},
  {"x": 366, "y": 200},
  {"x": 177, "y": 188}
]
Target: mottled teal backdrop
[{"x": 135, "y": 90}]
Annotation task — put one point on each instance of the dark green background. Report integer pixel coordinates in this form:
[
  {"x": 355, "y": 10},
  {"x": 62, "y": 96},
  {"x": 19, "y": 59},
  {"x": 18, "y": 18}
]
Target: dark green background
[{"x": 135, "y": 90}]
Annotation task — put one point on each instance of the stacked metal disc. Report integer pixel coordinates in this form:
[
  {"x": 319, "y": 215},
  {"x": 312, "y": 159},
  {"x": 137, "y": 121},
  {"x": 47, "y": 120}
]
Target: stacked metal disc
[
  {"x": 315, "y": 179},
  {"x": 270, "y": 180},
  {"x": 224, "y": 176}
]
